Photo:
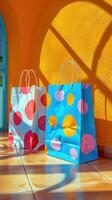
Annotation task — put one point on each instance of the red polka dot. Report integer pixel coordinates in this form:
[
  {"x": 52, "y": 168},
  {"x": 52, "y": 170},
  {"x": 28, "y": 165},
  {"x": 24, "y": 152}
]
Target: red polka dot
[
  {"x": 10, "y": 108},
  {"x": 25, "y": 90},
  {"x": 41, "y": 122},
  {"x": 41, "y": 148},
  {"x": 30, "y": 140},
  {"x": 10, "y": 138},
  {"x": 44, "y": 99},
  {"x": 30, "y": 109},
  {"x": 17, "y": 118}
]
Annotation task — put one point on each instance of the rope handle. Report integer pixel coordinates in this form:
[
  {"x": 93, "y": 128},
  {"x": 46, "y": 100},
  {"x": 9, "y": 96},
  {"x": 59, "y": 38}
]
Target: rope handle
[
  {"x": 69, "y": 62},
  {"x": 32, "y": 70},
  {"x": 59, "y": 75},
  {"x": 26, "y": 78}
]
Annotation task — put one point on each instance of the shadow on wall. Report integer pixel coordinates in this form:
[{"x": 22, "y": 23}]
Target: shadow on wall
[{"x": 51, "y": 10}]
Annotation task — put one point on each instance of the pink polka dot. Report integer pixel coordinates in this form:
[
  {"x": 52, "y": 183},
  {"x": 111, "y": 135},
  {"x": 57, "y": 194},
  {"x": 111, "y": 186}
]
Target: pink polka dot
[
  {"x": 41, "y": 122},
  {"x": 88, "y": 143},
  {"x": 30, "y": 109},
  {"x": 56, "y": 144},
  {"x": 17, "y": 118},
  {"x": 85, "y": 85},
  {"x": 10, "y": 138},
  {"x": 73, "y": 153},
  {"x": 30, "y": 140},
  {"x": 59, "y": 95},
  {"x": 82, "y": 106},
  {"x": 25, "y": 90}
]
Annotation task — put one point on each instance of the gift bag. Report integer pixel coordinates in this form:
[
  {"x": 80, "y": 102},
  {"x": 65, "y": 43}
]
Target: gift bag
[
  {"x": 27, "y": 115},
  {"x": 70, "y": 127}
]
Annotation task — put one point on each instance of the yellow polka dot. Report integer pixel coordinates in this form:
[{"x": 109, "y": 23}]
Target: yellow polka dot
[
  {"x": 70, "y": 99},
  {"x": 48, "y": 99},
  {"x": 52, "y": 120},
  {"x": 69, "y": 126}
]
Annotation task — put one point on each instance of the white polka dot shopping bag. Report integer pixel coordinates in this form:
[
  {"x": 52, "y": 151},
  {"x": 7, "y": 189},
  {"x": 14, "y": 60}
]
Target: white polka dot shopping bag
[
  {"x": 27, "y": 115},
  {"x": 70, "y": 126}
]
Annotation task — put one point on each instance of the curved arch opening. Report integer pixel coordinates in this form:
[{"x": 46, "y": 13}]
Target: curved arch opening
[{"x": 3, "y": 76}]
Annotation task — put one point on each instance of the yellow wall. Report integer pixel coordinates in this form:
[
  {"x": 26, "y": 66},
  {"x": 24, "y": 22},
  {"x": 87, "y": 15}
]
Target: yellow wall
[{"x": 46, "y": 33}]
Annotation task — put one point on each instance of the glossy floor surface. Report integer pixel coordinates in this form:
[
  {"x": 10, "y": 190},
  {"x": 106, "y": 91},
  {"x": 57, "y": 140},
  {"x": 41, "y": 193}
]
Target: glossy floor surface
[{"x": 41, "y": 177}]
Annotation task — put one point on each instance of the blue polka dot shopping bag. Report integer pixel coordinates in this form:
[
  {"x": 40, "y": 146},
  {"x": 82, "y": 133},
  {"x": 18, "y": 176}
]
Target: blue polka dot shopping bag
[
  {"x": 70, "y": 126},
  {"x": 27, "y": 115}
]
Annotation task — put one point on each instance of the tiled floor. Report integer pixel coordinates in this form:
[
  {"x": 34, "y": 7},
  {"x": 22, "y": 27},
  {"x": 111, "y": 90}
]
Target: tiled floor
[{"x": 41, "y": 177}]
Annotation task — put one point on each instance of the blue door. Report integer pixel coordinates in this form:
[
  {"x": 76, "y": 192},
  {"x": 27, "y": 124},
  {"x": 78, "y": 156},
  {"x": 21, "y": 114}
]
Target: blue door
[{"x": 3, "y": 76}]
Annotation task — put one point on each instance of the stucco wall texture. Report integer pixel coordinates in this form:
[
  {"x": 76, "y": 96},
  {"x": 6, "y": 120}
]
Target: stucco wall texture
[{"x": 44, "y": 34}]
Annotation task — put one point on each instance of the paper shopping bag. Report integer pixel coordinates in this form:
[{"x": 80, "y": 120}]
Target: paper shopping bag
[
  {"x": 27, "y": 117},
  {"x": 70, "y": 127}
]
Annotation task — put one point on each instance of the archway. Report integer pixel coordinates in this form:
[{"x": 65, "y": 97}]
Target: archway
[{"x": 3, "y": 76}]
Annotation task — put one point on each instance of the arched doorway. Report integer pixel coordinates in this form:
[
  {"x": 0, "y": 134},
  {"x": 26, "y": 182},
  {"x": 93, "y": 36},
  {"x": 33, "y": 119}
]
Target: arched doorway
[{"x": 3, "y": 76}]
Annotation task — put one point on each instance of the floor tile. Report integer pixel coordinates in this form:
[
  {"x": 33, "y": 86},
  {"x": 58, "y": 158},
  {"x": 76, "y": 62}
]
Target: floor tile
[
  {"x": 52, "y": 178},
  {"x": 12, "y": 174},
  {"x": 17, "y": 196},
  {"x": 104, "y": 166}
]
